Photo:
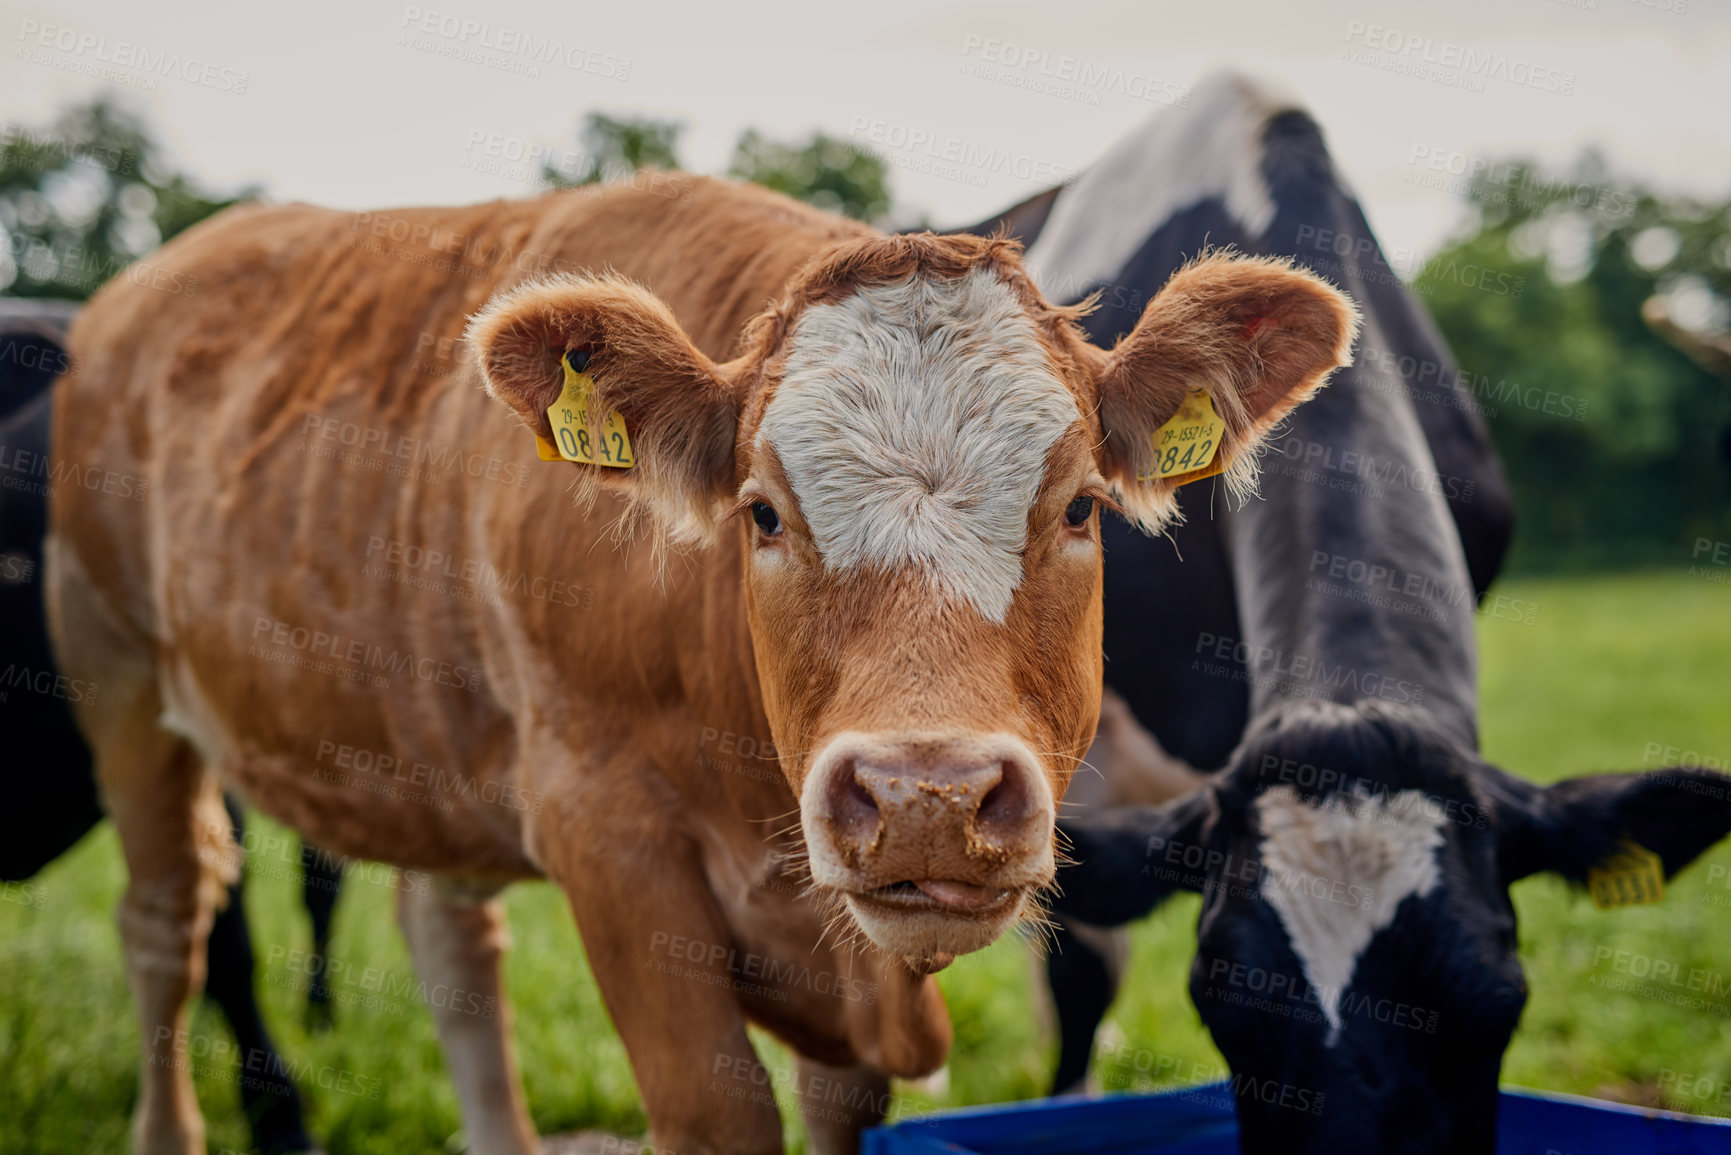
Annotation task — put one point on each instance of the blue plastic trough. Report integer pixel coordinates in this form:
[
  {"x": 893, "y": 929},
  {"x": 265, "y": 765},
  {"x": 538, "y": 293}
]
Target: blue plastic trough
[{"x": 1199, "y": 1121}]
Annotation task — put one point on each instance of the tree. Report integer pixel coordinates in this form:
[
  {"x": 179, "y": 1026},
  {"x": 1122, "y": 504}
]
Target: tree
[
  {"x": 614, "y": 147},
  {"x": 1618, "y": 445},
  {"x": 87, "y": 197},
  {"x": 824, "y": 171}
]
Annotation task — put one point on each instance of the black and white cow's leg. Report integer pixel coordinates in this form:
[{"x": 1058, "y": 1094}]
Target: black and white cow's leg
[
  {"x": 321, "y": 883},
  {"x": 1084, "y": 966},
  {"x": 458, "y": 940},
  {"x": 271, "y": 1101},
  {"x": 838, "y": 1104}
]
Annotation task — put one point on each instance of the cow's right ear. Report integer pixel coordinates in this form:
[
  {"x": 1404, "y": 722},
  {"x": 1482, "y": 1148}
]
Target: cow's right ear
[
  {"x": 1577, "y": 824},
  {"x": 679, "y": 411},
  {"x": 1125, "y": 861},
  {"x": 1224, "y": 350}
]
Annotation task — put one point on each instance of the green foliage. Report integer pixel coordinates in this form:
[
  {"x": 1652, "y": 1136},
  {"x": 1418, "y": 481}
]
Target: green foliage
[
  {"x": 824, "y": 171},
  {"x": 84, "y": 199},
  {"x": 614, "y": 147},
  {"x": 1618, "y": 446}
]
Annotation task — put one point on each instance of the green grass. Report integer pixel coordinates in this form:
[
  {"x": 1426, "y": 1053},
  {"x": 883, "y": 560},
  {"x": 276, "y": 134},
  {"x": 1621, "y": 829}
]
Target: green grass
[{"x": 1610, "y": 666}]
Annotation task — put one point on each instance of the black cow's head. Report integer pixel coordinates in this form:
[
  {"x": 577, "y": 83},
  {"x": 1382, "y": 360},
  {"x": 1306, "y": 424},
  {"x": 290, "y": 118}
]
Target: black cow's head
[{"x": 1356, "y": 958}]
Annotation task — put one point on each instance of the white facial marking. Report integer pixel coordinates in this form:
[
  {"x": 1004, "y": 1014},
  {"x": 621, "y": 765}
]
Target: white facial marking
[
  {"x": 913, "y": 422},
  {"x": 1174, "y": 159},
  {"x": 1384, "y": 846}
]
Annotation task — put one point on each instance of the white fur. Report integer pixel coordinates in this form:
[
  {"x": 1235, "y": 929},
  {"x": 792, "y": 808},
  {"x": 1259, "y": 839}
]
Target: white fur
[
  {"x": 1174, "y": 159},
  {"x": 1385, "y": 846},
  {"x": 913, "y": 422}
]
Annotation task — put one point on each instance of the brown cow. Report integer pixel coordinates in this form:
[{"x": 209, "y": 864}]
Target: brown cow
[{"x": 882, "y": 489}]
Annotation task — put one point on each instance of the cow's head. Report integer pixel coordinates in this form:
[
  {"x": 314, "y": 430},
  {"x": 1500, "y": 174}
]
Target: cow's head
[
  {"x": 1356, "y": 954},
  {"x": 911, "y": 447}
]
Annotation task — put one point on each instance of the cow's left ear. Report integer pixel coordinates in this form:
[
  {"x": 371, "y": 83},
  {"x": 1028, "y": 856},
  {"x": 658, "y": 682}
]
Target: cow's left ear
[
  {"x": 1578, "y": 823},
  {"x": 1248, "y": 337},
  {"x": 653, "y": 399}
]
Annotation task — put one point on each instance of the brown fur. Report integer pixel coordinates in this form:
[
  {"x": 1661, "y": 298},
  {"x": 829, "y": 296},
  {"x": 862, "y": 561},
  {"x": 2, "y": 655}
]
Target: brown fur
[{"x": 309, "y": 321}]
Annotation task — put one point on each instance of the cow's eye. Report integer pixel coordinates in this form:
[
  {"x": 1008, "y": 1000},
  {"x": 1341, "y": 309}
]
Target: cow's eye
[
  {"x": 766, "y": 518},
  {"x": 1079, "y": 510}
]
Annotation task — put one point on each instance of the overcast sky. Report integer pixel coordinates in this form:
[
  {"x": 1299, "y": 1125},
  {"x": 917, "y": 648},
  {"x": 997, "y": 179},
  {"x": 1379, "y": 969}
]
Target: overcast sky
[{"x": 358, "y": 103}]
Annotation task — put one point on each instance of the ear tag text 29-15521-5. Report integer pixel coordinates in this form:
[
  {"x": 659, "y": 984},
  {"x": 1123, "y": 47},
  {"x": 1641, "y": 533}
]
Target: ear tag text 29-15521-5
[
  {"x": 1187, "y": 447},
  {"x": 573, "y": 440}
]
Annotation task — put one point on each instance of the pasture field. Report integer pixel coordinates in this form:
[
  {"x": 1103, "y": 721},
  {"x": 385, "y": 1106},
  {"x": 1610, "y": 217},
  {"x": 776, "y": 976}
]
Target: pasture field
[{"x": 1632, "y": 1004}]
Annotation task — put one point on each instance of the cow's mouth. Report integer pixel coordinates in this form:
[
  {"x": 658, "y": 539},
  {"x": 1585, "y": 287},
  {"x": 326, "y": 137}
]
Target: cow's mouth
[
  {"x": 939, "y": 896},
  {"x": 928, "y": 922}
]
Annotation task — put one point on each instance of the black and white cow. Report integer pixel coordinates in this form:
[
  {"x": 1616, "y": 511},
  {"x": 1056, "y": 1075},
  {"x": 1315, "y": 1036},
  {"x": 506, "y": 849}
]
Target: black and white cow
[
  {"x": 49, "y": 782},
  {"x": 1354, "y": 850}
]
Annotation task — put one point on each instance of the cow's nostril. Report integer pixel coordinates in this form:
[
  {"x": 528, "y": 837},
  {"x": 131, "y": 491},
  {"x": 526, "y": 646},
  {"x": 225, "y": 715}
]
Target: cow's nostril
[
  {"x": 1005, "y": 808},
  {"x": 853, "y": 807}
]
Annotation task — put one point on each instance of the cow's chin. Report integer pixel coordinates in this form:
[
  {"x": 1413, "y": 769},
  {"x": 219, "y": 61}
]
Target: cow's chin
[{"x": 924, "y": 934}]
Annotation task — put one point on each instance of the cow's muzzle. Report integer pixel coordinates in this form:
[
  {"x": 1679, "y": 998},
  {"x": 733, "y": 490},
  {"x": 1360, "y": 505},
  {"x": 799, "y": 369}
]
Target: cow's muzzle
[{"x": 934, "y": 841}]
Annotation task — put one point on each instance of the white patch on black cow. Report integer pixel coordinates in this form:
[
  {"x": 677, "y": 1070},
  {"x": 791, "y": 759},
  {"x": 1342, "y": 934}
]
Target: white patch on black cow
[
  {"x": 1174, "y": 159},
  {"x": 913, "y": 421},
  {"x": 1386, "y": 846}
]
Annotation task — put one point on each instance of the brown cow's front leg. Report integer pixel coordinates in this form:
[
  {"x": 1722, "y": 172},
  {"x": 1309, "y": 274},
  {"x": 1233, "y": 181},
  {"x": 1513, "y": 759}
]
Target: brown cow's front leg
[
  {"x": 658, "y": 945},
  {"x": 457, "y": 943},
  {"x": 838, "y": 1103}
]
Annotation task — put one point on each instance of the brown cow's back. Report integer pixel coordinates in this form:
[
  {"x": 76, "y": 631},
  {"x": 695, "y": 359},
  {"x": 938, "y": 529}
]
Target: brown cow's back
[{"x": 361, "y": 588}]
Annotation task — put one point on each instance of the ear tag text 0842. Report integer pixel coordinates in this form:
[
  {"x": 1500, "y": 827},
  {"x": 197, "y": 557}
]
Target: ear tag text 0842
[
  {"x": 1633, "y": 876},
  {"x": 1187, "y": 448},
  {"x": 573, "y": 440}
]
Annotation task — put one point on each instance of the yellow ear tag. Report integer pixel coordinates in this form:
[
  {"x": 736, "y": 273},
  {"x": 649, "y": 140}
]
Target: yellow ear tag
[
  {"x": 1633, "y": 876},
  {"x": 573, "y": 440},
  {"x": 1187, "y": 448}
]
